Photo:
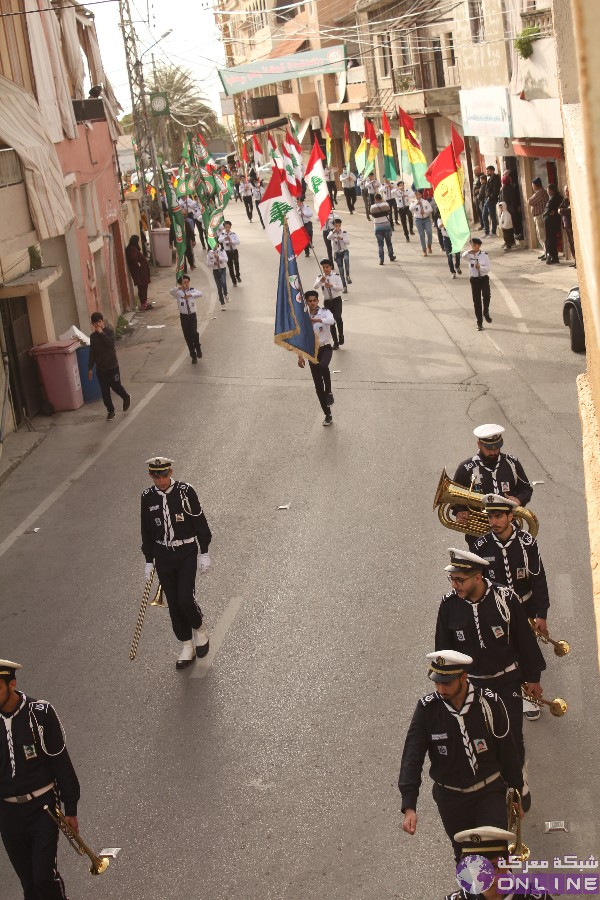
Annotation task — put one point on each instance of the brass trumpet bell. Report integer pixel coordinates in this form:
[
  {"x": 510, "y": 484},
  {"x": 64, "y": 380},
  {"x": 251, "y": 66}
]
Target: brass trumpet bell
[
  {"x": 519, "y": 850},
  {"x": 561, "y": 648},
  {"x": 159, "y": 599},
  {"x": 449, "y": 494},
  {"x": 557, "y": 707}
]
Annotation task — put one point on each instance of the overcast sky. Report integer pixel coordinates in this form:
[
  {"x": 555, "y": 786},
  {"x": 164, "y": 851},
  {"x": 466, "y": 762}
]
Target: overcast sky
[{"x": 194, "y": 43}]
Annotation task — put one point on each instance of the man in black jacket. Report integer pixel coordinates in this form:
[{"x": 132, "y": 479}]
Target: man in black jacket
[
  {"x": 104, "y": 355},
  {"x": 492, "y": 192},
  {"x": 174, "y": 527},
  {"x": 35, "y": 771},
  {"x": 552, "y": 221}
]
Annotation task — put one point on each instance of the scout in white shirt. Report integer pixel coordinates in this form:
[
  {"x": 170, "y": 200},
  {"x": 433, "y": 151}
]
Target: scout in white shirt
[
  {"x": 479, "y": 269},
  {"x": 247, "y": 196},
  {"x": 421, "y": 210},
  {"x": 348, "y": 180},
  {"x": 323, "y": 322},
  {"x": 186, "y": 297},
  {"x": 404, "y": 197},
  {"x": 331, "y": 185},
  {"x": 453, "y": 258},
  {"x": 230, "y": 242},
  {"x": 340, "y": 241},
  {"x": 305, "y": 213},
  {"x": 217, "y": 261},
  {"x": 258, "y": 190},
  {"x": 331, "y": 285}
]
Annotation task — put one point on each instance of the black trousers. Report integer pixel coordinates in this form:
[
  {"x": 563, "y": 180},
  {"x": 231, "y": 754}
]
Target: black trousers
[
  {"x": 200, "y": 228},
  {"x": 510, "y": 693},
  {"x": 189, "y": 326},
  {"x": 406, "y": 218},
  {"x": 480, "y": 289},
  {"x": 367, "y": 201},
  {"x": 350, "y": 195},
  {"x": 110, "y": 379},
  {"x": 337, "y": 330},
  {"x": 176, "y": 570},
  {"x": 552, "y": 232},
  {"x": 332, "y": 188},
  {"x": 233, "y": 264},
  {"x": 256, "y": 202},
  {"x": 460, "y": 812},
  {"x": 308, "y": 227},
  {"x": 30, "y": 838},
  {"x": 322, "y": 376},
  {"x": 328, "y": 247},
  {"x": 249, "y": 205},
  {"x": 393, "y": 211}
]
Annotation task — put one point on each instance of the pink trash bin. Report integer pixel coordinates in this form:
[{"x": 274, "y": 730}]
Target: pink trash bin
[{"x": 59, "y": 371}]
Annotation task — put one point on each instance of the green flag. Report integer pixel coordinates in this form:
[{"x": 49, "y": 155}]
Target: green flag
[{"x": 177, "y": 220}]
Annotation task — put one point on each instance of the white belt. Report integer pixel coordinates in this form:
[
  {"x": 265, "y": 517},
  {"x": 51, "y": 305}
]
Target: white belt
[
  {"x": 176, "y": 543},
  {"x": 24, "y": 798},
  {"x": 510, "y": 668},
  {"x": 474, "y": 787},
  {"x": 526, "y": 597}
]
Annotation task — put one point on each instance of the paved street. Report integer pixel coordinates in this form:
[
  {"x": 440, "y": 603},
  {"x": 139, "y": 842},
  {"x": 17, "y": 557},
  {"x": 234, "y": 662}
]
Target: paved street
[{"x": 268, "y": 771}]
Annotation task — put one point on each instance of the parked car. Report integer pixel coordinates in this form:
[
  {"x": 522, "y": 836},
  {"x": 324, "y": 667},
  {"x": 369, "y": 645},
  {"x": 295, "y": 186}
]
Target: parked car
[{"x": 573, "y": 317}]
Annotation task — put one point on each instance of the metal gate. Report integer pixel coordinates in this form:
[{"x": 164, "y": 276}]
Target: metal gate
[{"x": 25, "y": 386}]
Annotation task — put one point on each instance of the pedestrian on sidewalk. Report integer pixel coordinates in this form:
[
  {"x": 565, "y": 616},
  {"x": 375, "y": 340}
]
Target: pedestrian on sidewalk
[
  {"x": 492, "y": 193},
  {"x": 247, "y": 196},
  {"x": 348, "y": 181},
  {"x": 552, "y": 223},
  {"x": 323, "y": 322},
  {"x": 217, "y": 261},
  {"x": 186, "y": 297},
  {"x": 453, "y": 258},
  {"x": 479, "y": 270},
  {"x": 567, "y": 222},
  {"x": 103, "y": 355},
  {"x": 506, "y": 226},
  {"x": 331, "y": 285},
  {"x": 537, "y": 204},
  {"x": 479, "y": 198},
  {"x": 340, "y": 242},
  {"x": 421, "y": 210},
  {"x": 380, "y": 213},
  {"x": 230, "y": 242},
  {"x": 258, "y": 190},
  {"x": 305, "y": 213},
  {"x": 327, "y": 227},
  {"x": 174, "y": 528},
  {"x": 404, "y": 197},
  {"x": 138, "y": 269}
]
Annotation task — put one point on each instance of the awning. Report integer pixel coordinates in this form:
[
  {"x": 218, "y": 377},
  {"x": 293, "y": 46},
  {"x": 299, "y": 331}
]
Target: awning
[
  {"x": 286, "y": 47},
  {"x": 539, "y": 150},
  {"x": 22, "y": 128},
  {"x": 273, "y": 123}
]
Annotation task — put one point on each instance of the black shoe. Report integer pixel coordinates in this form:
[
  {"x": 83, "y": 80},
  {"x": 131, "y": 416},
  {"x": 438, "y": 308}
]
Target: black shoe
[
  {"x": 479, "y": 327},
  {"x": 239, "y": 278},
  {"x": 329, "y": 399},
  {"x": 202, "y": 651},
  {"x": 235, "y": 283},
  {"x": 380, "y": 262},
  {"x": 392, "y": 259},
  {"x": 532, "y": 715},
  {"x": 336, "y": 346},
  {"x": 194, "y": 361},
  {"x": 349, "y": 280},
  {"x": 199, "y": 354},
  {"x": 526, "y": 802},
  {"x": 543, "y": 256},
  {"x": 408, "y": 239},
  {"x": 341, "y": 339},
  {"x": 328, "y": 420},
  {"x": 110, "y": 416},
  {"x": 183, "y": 663},
  {"x": 412, "y": 232},
  {"x": 487, "y": 317},
  {"x": 126, "y": 403}
]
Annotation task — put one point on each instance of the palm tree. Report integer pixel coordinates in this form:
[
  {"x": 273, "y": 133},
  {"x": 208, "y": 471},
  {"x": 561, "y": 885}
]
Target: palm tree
[{"x": 189, "y": 110}]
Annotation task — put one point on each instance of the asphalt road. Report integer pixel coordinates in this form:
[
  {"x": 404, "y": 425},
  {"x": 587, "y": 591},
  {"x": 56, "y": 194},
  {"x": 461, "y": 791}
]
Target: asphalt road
[{"x": 269, "y": 772}]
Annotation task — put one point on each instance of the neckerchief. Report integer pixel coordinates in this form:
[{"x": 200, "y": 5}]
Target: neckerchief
[{"x": 459, "y": 715}]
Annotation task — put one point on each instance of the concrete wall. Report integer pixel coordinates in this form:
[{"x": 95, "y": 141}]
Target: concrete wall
[{"x": 482, "y": 64}]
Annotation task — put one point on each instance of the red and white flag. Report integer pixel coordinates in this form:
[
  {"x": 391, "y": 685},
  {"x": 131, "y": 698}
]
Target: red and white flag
[
  {"x": 258, "y": 154},
  {"x": 294, "y": 151},
  {"x": 315, "y": 181},
  {"x": 276, "y": 205},
  {"x": 288, "y": 171},
  {"x": 276, "y": 160}
]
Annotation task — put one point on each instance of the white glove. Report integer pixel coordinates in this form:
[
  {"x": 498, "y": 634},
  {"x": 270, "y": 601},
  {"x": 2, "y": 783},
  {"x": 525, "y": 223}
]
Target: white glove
[
  {"x": 203, "y": 562},
  {"x": 148, "y": 570}
]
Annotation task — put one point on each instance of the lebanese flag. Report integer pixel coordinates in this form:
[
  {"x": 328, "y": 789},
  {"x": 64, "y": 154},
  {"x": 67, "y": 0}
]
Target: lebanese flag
[
  {"x": 294, "y": 152},
  {"x": 315, "y": 180},
  {"x": 276, "y": 159},
  {"x": 288, "y": 170},
  {"x": 257, "y": 150},
  {"x": 276, "y": 205}
]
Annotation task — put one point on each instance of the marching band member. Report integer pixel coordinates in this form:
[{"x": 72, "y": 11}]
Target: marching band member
[
  {"x": 230, "y": 242},
  {"x": 174, "y": 527},
  {"x": 35, "y": 771},
  {"x": 323, "y": 322},
  {"x": 186, "y": 297},
  {"x": 465, "y": 730}
]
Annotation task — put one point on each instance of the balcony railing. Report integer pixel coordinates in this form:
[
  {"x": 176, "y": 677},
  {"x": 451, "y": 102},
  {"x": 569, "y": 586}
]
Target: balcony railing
[
  {"x": 426, "y": 75},
  {"x": 542, "y": 18},
  {"x": 10, "y": 168}
]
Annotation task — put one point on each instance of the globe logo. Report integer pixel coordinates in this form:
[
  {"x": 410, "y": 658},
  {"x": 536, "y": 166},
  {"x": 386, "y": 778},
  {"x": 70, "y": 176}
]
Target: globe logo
[{"x": 475, "y": 874}]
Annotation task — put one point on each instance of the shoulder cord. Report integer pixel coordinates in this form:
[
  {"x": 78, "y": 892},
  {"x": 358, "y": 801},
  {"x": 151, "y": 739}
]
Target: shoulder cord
[
  {"x": 503, "y": 610},
  {"x": 489, "y": 717},
  {"x": 186, "y": 505},
  {"x": 40, "y": 730},
  {"x": 526, "y": 560}
]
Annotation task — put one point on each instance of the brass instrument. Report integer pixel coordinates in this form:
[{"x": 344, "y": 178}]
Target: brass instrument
[
  {"x": 561, "y": 648},
  {"x": 99, "y": 864},
  {"x": 141, "y": 614},
  {"x": 518, "y": 850},
  {"x": 558, "y": 707},
  {"x": 449, "y": 493},
  {"x": 159, "y": 598}
]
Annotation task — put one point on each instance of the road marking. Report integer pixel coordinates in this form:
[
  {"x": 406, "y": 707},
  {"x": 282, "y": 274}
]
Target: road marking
[
  {"x": 512, "y": 306},
  {"x": 217, "y": 637}
]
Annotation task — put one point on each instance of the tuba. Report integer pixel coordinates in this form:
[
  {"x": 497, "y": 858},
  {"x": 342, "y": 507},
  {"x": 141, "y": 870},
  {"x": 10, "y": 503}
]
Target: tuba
[
  {"x": 449, "y": 493},
  {"x": 99, "y": 864},
  {"x": 518, "y": 850},
  {"x": 561, "y": 648},
  {"x": 558, "y": 706}
]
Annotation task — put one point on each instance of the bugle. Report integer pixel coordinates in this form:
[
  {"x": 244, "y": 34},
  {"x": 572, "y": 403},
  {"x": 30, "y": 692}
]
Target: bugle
[
  {"x": 558, "y": 706},
  {"x": 514, "y": 809},
  {"x": 141, "y": 614},
  {"x": 99, "y": 864},
  {"x": 159, "y": 598},
  {"x": 561, "y": 648},
  {"x": 450, "y": 494}
]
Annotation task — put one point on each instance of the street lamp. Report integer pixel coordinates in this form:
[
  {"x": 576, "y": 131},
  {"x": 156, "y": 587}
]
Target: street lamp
[{"x": 161, "y": 38}]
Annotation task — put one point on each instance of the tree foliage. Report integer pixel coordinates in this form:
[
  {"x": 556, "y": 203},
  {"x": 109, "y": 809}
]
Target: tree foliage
[{"x": 189, "y": 110}]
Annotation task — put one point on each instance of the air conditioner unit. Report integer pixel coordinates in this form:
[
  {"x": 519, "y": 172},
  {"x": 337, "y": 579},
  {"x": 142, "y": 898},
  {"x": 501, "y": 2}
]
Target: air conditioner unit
[{"x": 315, "y": 123}]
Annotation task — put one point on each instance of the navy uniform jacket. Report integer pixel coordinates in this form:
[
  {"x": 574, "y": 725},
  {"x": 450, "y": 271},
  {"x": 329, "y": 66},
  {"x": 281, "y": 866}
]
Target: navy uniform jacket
[
  {"x": 434, "y": 730},
  {"x": 504, "y": 477},
  {"x": 172, "y": 515},
  {"x": 480, "y": 631},
  {"x": 36, "y": 755},
  {"x": 525, "y": 566}
]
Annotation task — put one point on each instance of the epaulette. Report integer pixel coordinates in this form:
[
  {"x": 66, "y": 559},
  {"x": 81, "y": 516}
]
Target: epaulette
[
  {"x": 429, "y": 697},
  {"x": 147, "y": 491},
  {"x": 510, "y": 456},
  {"x": 448, "y": 595},
  {"x": 487, "y": 692},
  {"x": 480, "y": 542}
]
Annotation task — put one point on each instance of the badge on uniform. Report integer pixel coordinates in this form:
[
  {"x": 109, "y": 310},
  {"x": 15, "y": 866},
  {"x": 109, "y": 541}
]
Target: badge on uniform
[
  {"x": 521, "y": 573},
  {"x": 443, "y": 749},
  {"x": 498, "y": 630},
  {"x": 179, "y": 517},
  {"x": 505, "y": 487},
  {"x": 490, "y": 574},
  {"x": 480, "y": 745},
  {"x": 154, "y": 508},
  {"x": 29, "y": 751},
  {"x": 460, "y": 635},
  {"x": 158, "y": 521}
]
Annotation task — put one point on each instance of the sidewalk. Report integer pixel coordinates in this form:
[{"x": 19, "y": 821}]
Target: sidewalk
[{"x": 153, "y": 339}]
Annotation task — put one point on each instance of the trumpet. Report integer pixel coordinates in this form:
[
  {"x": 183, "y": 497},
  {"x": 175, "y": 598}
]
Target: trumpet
[
  {"x": 561, "y": 648},
  {"x": 558, "y": 706},
  {"x": 159, "y": 598},
  {"x": 449, "y": 494},
  {"x": 99, "y": 864},
  {"x": 514, "y": 810}
]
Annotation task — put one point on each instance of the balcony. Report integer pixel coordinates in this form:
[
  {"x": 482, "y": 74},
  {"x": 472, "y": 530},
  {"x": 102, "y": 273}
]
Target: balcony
[
  {"x": 540, "y": 18},
  {"x": 428, "y": 86},
  {"x": 303, "y": 105}
]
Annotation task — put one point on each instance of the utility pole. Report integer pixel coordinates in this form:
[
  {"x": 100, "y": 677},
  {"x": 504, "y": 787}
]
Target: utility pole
[
  {"x": 146, "y": 149},
  {"x": 225, "y": 28}
]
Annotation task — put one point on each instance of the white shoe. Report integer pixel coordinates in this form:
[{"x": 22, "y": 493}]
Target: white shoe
[
  {"x": 200, "y": 638},
  {"x": 187, "y": 655}
]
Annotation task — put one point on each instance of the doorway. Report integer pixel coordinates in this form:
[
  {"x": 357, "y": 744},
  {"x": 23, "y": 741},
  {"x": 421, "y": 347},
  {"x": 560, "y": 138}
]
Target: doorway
[{"x": 24, "y": 380}]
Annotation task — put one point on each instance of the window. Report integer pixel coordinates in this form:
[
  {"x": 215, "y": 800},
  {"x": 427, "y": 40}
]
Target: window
[
  {"x": 404, "y": 51},
  {"x": 385, "y": 43},
  {"x": 476, "y": 21},
  {"x": 449, "y": 42}
]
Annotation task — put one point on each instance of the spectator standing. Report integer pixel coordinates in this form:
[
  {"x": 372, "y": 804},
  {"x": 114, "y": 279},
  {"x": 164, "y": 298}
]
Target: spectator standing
[
  {"x": 567, "y": 222},
  {"x": 506, "y": 225},
  {"x": 479, "y": 194},
  {"x": 340, "y": 242},
  {"x": 537, "y": 204},
  {"x": 492, "y": 194},
  {"x": 509, "y": 194},
  {"x": 421, "y": 210},
  {"x": 552, "y": 222},
  {"x": 348, "y": 181},
  {"x": 380, "y": 212},
  {"x": 138, "y": 269}
]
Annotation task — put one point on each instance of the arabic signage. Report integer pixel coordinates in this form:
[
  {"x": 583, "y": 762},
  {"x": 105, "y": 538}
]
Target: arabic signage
[
  {"x": 533, "y": 875},
  {"x": 326, "y": 61},
  {"x": 486, "y": 112}
]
